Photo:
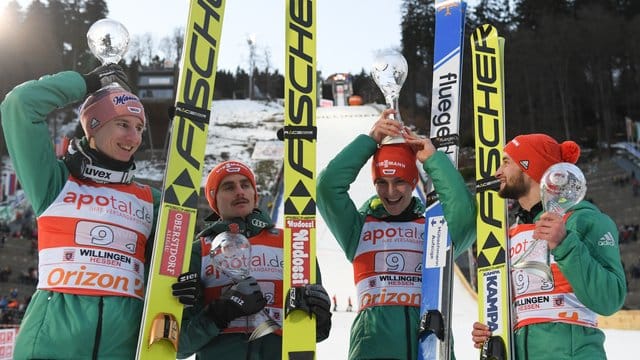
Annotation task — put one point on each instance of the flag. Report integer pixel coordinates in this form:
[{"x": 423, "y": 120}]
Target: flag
[
  {"x": 61, "y": 145},
  {"x": 629, "y": 128},
  {"x": 10, "y": 183}
]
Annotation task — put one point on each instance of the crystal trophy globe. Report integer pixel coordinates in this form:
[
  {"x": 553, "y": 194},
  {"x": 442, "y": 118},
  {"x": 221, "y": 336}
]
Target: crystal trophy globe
[
  {"x": 231, "y": 255},
  {"x": 389, "y": 71},
  {"x": 561, "y": 187},
  {"x": 108, "y": 40}
]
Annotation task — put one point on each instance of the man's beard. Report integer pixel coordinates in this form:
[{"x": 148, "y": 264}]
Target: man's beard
[{"x": 514, "y": 190}]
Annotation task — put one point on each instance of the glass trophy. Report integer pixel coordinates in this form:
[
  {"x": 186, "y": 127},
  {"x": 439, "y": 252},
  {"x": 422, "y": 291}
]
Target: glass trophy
[
  {"x": 389, "y": 71},
  {"x": 108, "y": 40},
  {"x": 231, "y": 255},
  {"x": 562, "y": 186}
]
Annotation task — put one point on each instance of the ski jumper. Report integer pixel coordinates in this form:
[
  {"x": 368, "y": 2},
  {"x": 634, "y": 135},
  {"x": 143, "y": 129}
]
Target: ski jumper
[
  {"x": 388, "y": 300},
  {"x": 557, "y": 319},
  {"x": 92, "y": 238},
  {"x": 199, "y": 334}
]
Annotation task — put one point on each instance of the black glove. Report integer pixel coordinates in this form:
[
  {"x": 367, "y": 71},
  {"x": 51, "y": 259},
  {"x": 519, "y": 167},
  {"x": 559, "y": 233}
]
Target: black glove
[
  {"x": 188, "y": 289},
  {"x": 242, "y": 299},
  {"x": 105, "y": 75},
  {"x": 319, "y": 303}
]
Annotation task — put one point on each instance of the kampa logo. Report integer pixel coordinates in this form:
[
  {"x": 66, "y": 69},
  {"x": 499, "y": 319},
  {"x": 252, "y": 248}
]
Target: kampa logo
[
  {"x": 607, "y": 240},
  {"x": 491, "y": 300}
]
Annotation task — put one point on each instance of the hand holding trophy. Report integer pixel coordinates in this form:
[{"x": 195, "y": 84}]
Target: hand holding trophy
[
  {"x": 108, "y": 40},
  {"x": 562, "y": 186},
  {"x": 389, "y": 71},
  {"x": 231, "y": 254}
]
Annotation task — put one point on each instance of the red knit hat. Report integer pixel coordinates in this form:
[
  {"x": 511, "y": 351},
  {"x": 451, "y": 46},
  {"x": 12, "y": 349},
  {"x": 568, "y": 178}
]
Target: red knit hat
[
  {"x": 397, "y": 160},
  {"x": 107, "y": 104},
  {"x": 218, "y": 174},
  {"x": 535, "y": 153}
]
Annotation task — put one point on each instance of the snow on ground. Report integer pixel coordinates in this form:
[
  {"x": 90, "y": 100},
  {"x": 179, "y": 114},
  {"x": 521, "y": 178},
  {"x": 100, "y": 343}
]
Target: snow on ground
[{"x": 234, "y": 123}]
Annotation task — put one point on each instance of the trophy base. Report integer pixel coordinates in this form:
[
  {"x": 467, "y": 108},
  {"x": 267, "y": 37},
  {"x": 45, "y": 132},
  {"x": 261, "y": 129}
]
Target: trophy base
[
  {"x": 387, "y": 140},
  {"x": 537, "y": 268}
]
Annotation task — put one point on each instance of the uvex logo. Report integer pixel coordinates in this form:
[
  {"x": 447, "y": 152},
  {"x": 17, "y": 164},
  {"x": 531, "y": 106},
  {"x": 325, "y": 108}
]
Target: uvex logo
[{"x": 95, "y": 172}]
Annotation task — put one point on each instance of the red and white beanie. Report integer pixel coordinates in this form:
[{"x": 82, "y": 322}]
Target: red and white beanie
[
  {"x": 218, "y": 174},
  {"x": 395, "y": 160},
  {"x": 107, "y": 104},
  {"x": 535, "y": 153}
]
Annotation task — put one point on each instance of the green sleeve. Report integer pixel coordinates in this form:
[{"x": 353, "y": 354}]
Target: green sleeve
[
  {"x": 334, "y": 204},
  {"x": 24, "y": 111},
  {"x": 458, "y": 204},
  {"x": 197, "y": 329},
  {"x": 589, "y": 257}
]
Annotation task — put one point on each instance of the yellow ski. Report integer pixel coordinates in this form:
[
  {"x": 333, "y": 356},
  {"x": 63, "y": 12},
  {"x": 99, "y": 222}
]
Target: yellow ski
[
  {"x": 162, "y": 314},
  {"x": 299, "y": 329},
  {"x": 494, "y": 282}
]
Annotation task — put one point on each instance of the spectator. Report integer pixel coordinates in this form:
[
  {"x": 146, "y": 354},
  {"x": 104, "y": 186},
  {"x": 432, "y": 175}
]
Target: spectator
[{"x": 5, "y": 273}]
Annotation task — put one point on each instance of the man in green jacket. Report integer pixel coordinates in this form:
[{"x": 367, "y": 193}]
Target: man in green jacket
[
  {"x": 557, "y": 318},
  {"x": 217, "y": 321},
  {"x": 384, "y": 238},
  {"x": 92, "y": 249}
]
